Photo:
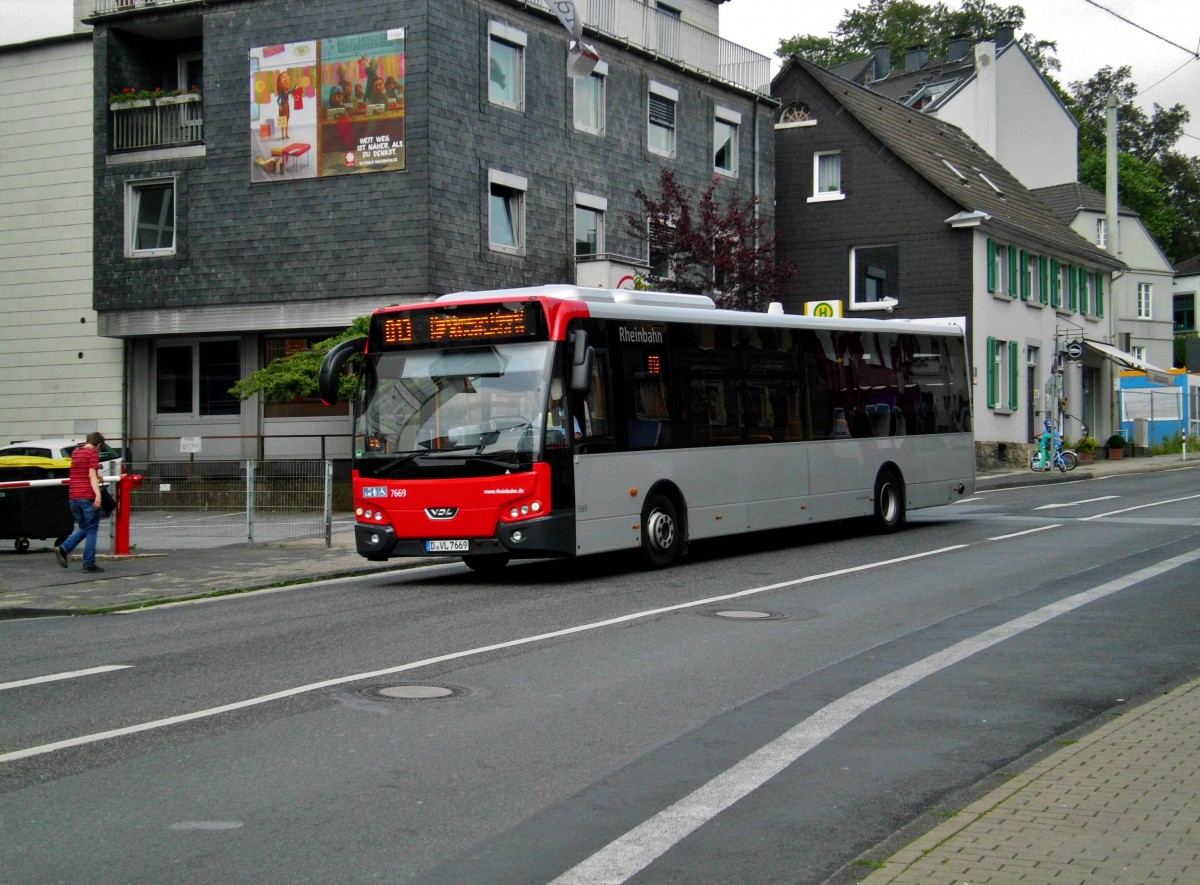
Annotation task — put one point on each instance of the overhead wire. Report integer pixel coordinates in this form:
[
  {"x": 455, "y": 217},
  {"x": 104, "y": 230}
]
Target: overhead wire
[{"x": 1194, "y": 54}]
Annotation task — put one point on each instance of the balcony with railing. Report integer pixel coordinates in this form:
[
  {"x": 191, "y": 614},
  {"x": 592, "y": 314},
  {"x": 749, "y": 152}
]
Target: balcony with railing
[
  {"x": 629, "y": 22},
  {"x": 148, "y": 123}
]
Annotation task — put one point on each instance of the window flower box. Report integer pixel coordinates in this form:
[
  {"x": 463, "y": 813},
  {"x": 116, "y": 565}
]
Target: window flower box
[
  {"x": 185, "y": 98},
  {"x": 131, "y": 103}
]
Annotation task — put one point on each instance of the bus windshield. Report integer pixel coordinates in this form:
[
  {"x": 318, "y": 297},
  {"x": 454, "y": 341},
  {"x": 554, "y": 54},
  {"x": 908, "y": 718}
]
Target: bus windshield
[{"x": 454, "y": 412}]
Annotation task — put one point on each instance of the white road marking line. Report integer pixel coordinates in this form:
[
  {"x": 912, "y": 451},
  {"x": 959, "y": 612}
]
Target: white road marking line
[
  {"x": 1139, "y": 507},
  {"x": 55, "y": 677},
  {"x": 968, "y": 500},
  {"x": 1076, "y": 503},
  {"x": 82, "y": 740},
  {"x": 627, "y": 855},
  {"x": 1056, "y": 525}
]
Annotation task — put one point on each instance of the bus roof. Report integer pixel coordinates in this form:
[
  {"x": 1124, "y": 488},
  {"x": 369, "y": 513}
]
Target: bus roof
[{"x": 633, "y": 304}]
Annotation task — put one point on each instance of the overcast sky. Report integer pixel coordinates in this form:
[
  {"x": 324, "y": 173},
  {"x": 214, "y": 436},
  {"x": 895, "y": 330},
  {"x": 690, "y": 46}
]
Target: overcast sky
[{"x": 1088, "y": 37}]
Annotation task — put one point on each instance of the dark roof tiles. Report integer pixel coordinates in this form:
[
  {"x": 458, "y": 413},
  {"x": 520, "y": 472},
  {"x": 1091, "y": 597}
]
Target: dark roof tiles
[{"x": 952, "y": 162}]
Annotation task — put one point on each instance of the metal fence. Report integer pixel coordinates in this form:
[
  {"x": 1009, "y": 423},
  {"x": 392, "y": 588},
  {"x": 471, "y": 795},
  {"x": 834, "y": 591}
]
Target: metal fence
[{"x": 193, "y": 503}]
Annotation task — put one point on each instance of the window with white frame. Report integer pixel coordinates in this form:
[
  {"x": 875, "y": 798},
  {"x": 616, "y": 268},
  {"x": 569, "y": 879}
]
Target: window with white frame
[
  {"x": 506, "y": 66},
  {"x": 662, "y": 103},
  {"x": 1102, "y": 233},
  {"x": 725, "y": 141},
  {"x": 827, "y": 176},
  {"x": 589, "y": 225},
  {"x": 506, "y": 211},
  {"x": 589, "y": 98},
  {"x": 1138, "y": 352},
  {"x": 193, "y": 379},
  {"x": 150, "y": 217},
  {"x": 874, "y": 277},
  {"x": 1145, "y": 301}
]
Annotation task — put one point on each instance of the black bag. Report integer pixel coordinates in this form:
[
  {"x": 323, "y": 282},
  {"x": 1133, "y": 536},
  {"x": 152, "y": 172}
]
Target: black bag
[{"x": 107, "y": 502}]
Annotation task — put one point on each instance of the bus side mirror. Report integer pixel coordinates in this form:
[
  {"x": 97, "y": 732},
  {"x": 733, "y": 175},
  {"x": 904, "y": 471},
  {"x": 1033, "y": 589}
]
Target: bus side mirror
[
  {"x": 581, "y": 362},
  {"x": 330, "y": 376}
]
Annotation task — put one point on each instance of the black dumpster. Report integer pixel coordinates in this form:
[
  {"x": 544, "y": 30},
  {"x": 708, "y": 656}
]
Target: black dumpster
[{"x": 34, "y": 511}]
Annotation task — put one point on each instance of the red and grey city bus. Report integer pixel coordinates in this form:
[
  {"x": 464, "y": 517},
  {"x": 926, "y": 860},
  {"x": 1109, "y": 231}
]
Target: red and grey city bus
[{"x": 557, "y": 421}]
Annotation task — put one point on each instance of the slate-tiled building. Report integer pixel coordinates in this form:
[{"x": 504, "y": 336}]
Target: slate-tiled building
[{"x": 322, "y": 160}]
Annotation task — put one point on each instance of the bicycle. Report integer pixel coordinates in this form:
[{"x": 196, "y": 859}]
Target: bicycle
[{"x": 1063, "y": 459}]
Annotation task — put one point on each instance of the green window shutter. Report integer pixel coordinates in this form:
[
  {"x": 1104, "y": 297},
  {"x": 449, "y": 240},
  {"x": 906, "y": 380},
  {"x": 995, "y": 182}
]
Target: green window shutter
[
  {"x": 1073, "y": 287},
  {"x": 991, "y": 263},
  {"x": 1055, "y": 284},
  {"x": 1083, "y": 292},
  {"x": 1025, "y": 281},
  {"x": 1044, "y": 275},
  {"x": 1013, "y": 376},
  {"x": 1099, "y": 294},
  {"x": 993, "y": 383},
  {"x": 1012, "y": 272}
]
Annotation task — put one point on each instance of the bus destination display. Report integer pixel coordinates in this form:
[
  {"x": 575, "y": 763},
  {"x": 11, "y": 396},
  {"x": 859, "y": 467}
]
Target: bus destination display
[{"x": 461, "y": 325}]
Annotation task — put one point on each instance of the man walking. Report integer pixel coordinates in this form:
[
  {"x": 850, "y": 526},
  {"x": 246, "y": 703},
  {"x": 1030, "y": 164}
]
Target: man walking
[{"x": 86, "y": 505}]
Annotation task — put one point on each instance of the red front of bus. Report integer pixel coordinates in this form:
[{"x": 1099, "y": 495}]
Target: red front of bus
[{"x": 460, "y": 440}]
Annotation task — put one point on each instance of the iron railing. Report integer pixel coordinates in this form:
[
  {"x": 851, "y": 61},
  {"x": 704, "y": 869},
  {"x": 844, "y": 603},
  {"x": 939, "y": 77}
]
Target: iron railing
[{"x": 157, "y": 122}]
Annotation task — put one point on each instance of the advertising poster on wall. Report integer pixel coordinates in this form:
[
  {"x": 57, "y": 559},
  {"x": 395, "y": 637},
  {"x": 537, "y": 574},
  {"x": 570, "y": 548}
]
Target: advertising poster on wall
[{"x": 327, "y": 107}]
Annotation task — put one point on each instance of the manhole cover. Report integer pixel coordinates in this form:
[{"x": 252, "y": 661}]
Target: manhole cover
[
  {"x": 414, "y": 692},
  {"x": 735, "y": 614}
]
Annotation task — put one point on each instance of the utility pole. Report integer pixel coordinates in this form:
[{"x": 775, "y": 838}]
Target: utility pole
[{"x": 1113, "y": 244}]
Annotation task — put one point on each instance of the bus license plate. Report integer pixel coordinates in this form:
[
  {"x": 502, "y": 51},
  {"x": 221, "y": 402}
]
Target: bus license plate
[{"x": 447, "y": 546}]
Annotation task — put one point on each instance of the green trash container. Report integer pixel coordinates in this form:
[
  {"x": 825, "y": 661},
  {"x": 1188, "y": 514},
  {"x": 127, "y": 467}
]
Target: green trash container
[{"x": 34, "y": 511}]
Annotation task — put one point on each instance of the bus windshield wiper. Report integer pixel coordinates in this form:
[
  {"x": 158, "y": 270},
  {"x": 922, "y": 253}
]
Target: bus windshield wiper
[{"x": 405, "y": 458}]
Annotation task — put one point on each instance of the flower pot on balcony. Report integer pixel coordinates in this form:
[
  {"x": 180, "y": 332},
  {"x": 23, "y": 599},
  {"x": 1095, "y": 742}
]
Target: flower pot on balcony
[
  {"x": 177, "y": 99},
  {"x": 135, "y": 103}
]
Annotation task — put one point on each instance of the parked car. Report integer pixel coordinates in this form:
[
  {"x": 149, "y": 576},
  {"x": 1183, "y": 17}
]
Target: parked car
[{"x": 61, "y": 448}]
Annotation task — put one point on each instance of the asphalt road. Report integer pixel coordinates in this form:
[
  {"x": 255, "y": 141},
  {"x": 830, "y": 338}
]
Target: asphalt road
[{"x": 603, "y": 723}]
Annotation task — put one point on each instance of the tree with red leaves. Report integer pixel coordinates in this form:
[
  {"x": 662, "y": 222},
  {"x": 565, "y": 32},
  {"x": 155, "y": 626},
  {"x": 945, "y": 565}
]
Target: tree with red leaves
[{"x": 723, "y": 253}]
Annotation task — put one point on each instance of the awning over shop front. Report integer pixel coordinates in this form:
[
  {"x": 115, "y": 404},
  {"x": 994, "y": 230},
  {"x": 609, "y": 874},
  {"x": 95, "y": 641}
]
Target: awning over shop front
[{"x": 1153, "y": 373}]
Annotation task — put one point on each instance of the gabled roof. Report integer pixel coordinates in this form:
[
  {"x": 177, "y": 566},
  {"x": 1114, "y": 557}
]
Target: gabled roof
[
  {"x": 952, "y": 163},
  {"x": 1068, "y": 200},
  {"x": 1188, "y": 266}
]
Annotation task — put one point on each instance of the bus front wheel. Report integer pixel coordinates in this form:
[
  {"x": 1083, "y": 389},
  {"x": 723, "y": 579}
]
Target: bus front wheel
[
  {"x": 889, "y": 501},
  {"x": 661, "y": 535},
  {"x": 486, "y": 563}
]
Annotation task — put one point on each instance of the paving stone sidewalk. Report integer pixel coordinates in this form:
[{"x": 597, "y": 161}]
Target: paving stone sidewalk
[{"x": 1120, "y": 805}]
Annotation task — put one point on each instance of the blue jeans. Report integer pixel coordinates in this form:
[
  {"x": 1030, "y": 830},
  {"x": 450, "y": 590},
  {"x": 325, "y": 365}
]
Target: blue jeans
[{"x": 87, "y": 517}]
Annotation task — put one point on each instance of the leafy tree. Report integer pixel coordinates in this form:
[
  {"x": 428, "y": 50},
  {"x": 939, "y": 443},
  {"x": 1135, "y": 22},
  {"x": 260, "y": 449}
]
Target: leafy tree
[
  {"x": 1146, "y": 137},
  {"x": 1141, "y": 189},
  {"x": 723, "y": 253},
  {"x": 907, "y": 24},
  {"x": 294, "y": 376},
  {"x": 1159, "y": 183}
]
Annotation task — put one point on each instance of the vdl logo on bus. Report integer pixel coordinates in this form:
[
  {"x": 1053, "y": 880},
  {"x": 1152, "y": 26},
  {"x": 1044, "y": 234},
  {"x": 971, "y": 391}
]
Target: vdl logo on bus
[{"x": 441, "y": 512}]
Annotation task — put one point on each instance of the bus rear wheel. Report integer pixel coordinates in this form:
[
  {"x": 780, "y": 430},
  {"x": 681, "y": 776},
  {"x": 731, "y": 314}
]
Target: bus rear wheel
[
  {"x": 661, "y": 534},
  {"x": 889, "y": 502},
  {"x": 486, "y": 563}
]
